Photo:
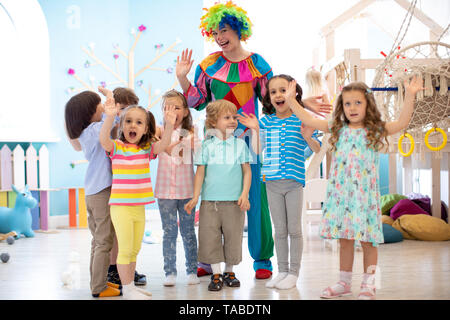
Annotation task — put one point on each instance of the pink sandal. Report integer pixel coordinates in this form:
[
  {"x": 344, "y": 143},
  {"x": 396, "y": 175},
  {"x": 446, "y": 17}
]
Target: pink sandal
[
  {"x": 367, "y": 292},
  {"x": 343, "y": 289}
]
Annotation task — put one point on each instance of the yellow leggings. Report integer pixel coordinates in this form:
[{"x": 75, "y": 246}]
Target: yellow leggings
[{"x": 129, "y": 224}]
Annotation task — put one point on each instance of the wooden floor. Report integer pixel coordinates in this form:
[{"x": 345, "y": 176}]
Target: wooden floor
[{"x": 408, "y": 270}]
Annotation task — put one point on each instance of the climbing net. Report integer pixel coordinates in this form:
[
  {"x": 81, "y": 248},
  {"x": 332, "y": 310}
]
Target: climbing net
[{"x": 429, "y": 59}]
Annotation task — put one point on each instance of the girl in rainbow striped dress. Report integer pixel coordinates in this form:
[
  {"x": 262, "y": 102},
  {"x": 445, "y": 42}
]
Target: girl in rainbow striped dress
[{"x": 131, "y": 185}]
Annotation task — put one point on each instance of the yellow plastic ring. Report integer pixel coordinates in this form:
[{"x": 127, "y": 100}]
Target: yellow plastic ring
[
  {"x": 400, "y": 149},
  {"x": 444, "y": 142}
]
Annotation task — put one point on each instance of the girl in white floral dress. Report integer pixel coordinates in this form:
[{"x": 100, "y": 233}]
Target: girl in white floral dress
[{"x": 352, "y": 209}]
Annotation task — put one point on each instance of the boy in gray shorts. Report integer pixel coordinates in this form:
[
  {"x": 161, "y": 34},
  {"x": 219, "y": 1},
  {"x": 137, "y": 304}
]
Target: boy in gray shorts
[{"x": 223, "y": 177}]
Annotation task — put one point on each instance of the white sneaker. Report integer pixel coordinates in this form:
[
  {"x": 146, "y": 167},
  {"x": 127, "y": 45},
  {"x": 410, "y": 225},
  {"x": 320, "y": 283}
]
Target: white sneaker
[
  {"x": 287, "y": 283},
  {"x": 170, "y": 280},
  {"x": 193, "y": 279},
  {"x": 278, "y": 278}
]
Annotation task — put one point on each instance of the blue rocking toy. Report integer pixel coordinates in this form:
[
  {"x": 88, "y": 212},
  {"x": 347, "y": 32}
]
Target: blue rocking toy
[{"x": 18, "y": 219}]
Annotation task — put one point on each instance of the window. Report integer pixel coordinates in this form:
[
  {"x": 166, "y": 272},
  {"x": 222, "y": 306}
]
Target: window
[{"x": 24, "y": 73}]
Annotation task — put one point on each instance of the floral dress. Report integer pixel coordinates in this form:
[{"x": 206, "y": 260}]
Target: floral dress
[{"x": 352, "y": 209}]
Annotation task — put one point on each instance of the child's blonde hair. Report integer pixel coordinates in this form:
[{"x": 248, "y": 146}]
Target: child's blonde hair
[
  {"x": 215, "y": 109},
  {"x": 314, "y": 83},
  {"x": 148, "y": 137},
  {"x": 372, "y": 122}
]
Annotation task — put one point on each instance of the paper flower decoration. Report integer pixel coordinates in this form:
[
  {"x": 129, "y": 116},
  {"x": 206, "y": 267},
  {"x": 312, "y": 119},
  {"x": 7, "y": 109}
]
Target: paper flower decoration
[
  {"x": 169, "y": 70},
  {"x": 116, "y": 56},
  {"x": 140, "y": 83},
  {"x": 71, "y": 71},
  {"x": 158, "y": 46},
  {"x": 142, "y": 28},
  {"x": 103, "y": 84},
  {"x": 87, "y": 64},
  {"x": 115, "y": 45},
  {"x": 70, "y": 90}
]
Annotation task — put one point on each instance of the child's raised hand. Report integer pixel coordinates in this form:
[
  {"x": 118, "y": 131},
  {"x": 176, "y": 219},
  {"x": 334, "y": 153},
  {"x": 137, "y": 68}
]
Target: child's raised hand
[
  {"x": 106, "y": 92},
  {"x": 111, "y": 109},
  {"x": 248, "y": 120},
  {"x": 184, "y": 64},
  {"x": 415, "y": 85},
  {"x": 317, "y": 105},
  {"x": 291, "y": 91},
  {"x": 169, "y": 114}
]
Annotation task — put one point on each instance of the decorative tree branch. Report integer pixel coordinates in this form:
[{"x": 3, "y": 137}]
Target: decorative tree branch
[
  {"x": 100, "y": 62},
  {"x": 117, "y": 52},
  {"x": 178, "y": 41}
]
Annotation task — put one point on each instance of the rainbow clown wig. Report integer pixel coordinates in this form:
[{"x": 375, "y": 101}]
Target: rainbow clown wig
[{"x": 220, "y": 14}]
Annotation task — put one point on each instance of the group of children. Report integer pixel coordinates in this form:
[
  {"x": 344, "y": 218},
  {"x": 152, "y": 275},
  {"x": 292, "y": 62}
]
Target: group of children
[
  {"x": 120, "y": 138},
  {"x": 120, "y": 141}
]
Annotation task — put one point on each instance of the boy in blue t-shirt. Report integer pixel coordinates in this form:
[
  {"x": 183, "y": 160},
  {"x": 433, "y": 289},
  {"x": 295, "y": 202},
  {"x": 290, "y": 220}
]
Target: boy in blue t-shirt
[{"x": 223, "y": 177}]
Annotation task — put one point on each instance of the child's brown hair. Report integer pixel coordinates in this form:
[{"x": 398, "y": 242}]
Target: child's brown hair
[
  {"x": 147, "y": 138},
  {"x": 268, "y": 108},
  {"x": 125, "y": 96},
  {"x": 79, "y": 111},
  {"x": 372, "y": 122}
]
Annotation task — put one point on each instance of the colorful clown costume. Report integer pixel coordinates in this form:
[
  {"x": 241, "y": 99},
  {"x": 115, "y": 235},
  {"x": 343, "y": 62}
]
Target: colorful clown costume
[{"x": 242, "y": 83}]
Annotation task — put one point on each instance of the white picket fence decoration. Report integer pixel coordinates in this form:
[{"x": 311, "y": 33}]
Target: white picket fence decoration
[
  {"x": 5, "y": 168},
  {"x": 19, "y": 168},
  {"x": 32, "y": 178}
]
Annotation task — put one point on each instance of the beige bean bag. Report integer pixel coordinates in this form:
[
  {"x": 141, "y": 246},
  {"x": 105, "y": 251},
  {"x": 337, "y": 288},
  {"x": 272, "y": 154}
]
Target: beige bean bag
[
  {"x": 387, "y": 219},
  {"x": 422, "y": 227}
]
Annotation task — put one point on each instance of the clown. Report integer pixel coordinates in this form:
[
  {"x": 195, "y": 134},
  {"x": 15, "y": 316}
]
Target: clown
[{"x": 239, "y": 76}]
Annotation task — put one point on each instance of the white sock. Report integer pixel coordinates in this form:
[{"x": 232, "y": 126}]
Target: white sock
[
  {"x": 170, "y": 280},
  {"x": 346, "y": 276},
  {"x": 369, "y": 278},
  {"x": 216, "y": 268},
  {"x": 193, "y": 279},
  {"x": 130, "y": 293},
  {"x": 278, "y": 278},
  {"x": 287, "y": 283},
  {"x": 228, "y": 267}
]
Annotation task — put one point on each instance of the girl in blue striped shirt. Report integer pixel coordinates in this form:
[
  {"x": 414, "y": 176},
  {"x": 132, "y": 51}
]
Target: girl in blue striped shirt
[{"x": 284, "y": 143}]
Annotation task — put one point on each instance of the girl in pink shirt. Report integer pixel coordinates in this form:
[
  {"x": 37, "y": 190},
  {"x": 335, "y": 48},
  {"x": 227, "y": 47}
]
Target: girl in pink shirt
[{"x": 174, "y": 188}]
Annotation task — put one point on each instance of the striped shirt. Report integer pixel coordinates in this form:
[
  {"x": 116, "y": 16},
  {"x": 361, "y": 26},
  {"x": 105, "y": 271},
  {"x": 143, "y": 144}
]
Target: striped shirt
[
  {"x": 284, "y": 148},
  {"x": 131, "y": 183}
]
